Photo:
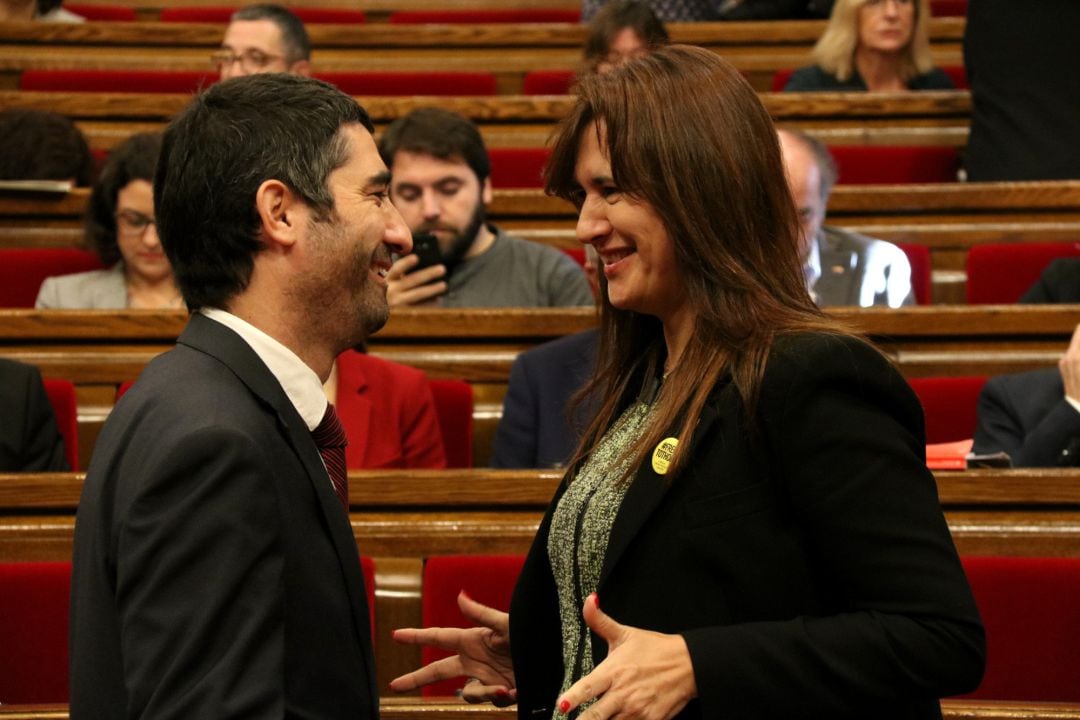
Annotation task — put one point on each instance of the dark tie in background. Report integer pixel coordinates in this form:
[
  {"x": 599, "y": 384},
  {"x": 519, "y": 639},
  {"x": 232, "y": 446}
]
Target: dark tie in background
[{"x": 330, "y": 438}]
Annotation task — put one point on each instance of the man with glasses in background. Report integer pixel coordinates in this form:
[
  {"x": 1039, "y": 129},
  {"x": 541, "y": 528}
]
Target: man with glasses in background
[{"x": 264, "y": 38}]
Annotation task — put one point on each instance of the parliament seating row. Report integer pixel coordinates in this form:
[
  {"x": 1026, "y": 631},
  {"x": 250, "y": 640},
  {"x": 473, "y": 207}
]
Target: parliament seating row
[
  {"x": 403, "y": 518},
  {"x": 937, "y": 119},
  {"x": 509, "y": 51},
  {"x": 99, "y": 350},
  {"x": 1026, "y": 604}
]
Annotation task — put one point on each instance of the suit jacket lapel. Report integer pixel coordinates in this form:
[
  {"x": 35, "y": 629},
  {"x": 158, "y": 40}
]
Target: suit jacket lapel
[
  {"x": 219, "y": 341},
  {"x": 644, "y": 495}
]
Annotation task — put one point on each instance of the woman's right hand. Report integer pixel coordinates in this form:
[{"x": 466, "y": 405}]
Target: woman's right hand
[{"x": 483, "y": 653}]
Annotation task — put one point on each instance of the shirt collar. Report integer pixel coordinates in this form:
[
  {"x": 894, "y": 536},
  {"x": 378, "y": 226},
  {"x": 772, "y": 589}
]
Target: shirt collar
[{"x": 300, "y": 383}]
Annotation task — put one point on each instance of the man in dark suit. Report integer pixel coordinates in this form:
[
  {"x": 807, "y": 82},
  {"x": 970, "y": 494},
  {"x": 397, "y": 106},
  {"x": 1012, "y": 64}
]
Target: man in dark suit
[
  {"x": 841, "y": 267},
  {"x": 215, "y": 571},
  {"x": 1034, "y": 416},
  {"x": 1058, "y": 283},
  {"x": 29, "y": 438},
  {"x": 1021, "y": 61}
]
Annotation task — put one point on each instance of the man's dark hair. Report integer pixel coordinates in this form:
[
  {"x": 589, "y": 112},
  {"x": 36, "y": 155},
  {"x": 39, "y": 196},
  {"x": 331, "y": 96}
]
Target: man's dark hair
[
  {"x": 39, "y": 145},
  {"x": 439, "y": 133},
  {"x": 618, "y": 15},
  {"x": 294, "y": 35},
  {"x": 135, "y": 159},
  {"x": 216, "y": 154}
]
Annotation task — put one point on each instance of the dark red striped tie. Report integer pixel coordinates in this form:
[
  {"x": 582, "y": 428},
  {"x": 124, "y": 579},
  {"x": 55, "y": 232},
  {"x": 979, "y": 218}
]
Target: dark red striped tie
[{"x": 330, "y": 438}]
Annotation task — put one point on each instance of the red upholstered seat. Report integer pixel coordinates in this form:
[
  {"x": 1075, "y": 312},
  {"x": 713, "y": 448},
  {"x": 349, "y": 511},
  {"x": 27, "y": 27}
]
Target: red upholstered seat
[
  {"x": 950, "y": 405},
  {"x": 454, "y": 408},
  {"x": 1002, "y": 272},
  {"x": 948, "y": 8},
  {"x": 98, "y": 13},
  {"x": 780, "y": 78},
  {"x": 34, "y": 632},
  {"x": 62, "y": 398},
  {"x": 22, "y": 270},
  {"x": 518, "y": 167},
  {"x": 888, "y": 164},
  {"x": 1029, "y": 609},
  {"x": 508, "y": 15},
  {"x": 921, "y": 282},
  {"x": 140, "y": 81},
  {"x": 412, "y": 83},
  {"x": 222, "y": 14},
  {"x": 548, "y": 82},
  {"x": 488, "y": 579}
]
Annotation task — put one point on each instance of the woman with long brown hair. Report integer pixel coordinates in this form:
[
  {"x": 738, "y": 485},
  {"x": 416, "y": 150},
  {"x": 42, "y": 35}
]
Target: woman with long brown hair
[{"x": 750, "y": 505}]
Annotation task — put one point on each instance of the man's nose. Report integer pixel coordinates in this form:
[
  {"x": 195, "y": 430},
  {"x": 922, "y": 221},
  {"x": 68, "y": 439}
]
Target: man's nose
[{"x": 431, "y": 205}]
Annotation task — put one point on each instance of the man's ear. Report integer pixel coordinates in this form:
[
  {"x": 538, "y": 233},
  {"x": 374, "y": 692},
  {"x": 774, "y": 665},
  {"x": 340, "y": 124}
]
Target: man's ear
[
  {"x": 281, "y": 213},
  {"x": 486, "y": 193},
  {"x": 300, "y": 67}
]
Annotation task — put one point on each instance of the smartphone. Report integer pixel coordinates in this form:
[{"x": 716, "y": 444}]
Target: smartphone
[{"x": 426, "y": 247}]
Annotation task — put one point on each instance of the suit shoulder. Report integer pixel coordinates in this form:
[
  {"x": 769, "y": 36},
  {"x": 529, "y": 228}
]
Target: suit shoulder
[{"x": 560, "y": 349}]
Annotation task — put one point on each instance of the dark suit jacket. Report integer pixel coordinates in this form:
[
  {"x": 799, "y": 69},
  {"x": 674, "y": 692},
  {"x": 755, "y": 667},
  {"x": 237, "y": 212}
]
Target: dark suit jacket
[
  {"x": 388, "y": 413},
  {"x": 29, "y": 438},
  {"x": 534, "y": 431},
  {"x": 811, "y": 571},
  {"x": 1058, "y": 283},
  {"x": 215, "y": 572},
  {"x": 846, "y": 268},
  {"x": 1022, "y": 61},
  {"x": 1026, "y": 415}
]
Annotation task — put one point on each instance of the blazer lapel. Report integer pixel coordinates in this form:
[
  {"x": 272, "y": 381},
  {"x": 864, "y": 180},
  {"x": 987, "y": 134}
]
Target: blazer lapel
[
  {"x": 219, "y": 341},
  {"x": 645, "y": 493}
]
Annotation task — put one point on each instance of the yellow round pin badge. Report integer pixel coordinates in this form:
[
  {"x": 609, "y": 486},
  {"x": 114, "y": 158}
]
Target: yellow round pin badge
[{"x": 663, "y": 454}]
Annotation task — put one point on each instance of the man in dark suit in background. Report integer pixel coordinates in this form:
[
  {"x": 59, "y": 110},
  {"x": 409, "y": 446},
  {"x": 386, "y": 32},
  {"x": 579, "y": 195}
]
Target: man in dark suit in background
[
  {"x": 841, "y": 267},
  {"x": 1058, "y": 283},
  {"x": 215, "y": 570},
  {"x": 29, "y": 438},
  {"x": 1034, "y": 416}
]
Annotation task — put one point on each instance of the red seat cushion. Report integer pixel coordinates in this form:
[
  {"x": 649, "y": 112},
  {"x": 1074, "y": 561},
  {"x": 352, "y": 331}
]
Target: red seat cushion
[
  {"x": 488, "y": 579},
  {"x": 98, "y": 13},
  {"x": 412, "y": 83},
  {"x": 518, "y": 167},
  {"x": 509, "y": 15},
  {"x": 548, "y": 82},
  {"x": 780, "y": 78},
  {"x": 948, "y": 8},
  {"x": 1029, "y": 609},
  {"x": 884, "y": 164},
  {"x": 454, "y": 408},
  {"x": 950, "y": 405},
  {"x": 215, "y": 14},
  {"x": 34, "y": 632},
  {"x": 140, "y": 81},
  {"x": 22, "y": 270},
  {"x": 921, "y": 276},
  {"x": 62, "y": 398},
  {"x": 223, "y": 14},
  {"x": 999, "y": 273}
]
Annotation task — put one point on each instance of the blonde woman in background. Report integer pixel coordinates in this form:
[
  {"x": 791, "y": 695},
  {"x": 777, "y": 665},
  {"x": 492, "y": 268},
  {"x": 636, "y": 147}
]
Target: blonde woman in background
[{"x": 873, "y": 45}]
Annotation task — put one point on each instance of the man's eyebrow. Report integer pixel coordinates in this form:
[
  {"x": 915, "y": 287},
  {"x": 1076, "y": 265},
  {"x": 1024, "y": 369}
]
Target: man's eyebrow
[{"x": 381, "y": 179}]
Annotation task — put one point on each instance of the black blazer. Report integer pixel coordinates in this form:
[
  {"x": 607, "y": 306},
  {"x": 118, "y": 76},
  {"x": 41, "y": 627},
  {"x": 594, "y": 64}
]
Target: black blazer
[
  {"x": 215, "y": 572},
  {"x": 808, "y": 566},
  {"x": 1026, "y": 415},
  {"x": 29, "y": 438}
]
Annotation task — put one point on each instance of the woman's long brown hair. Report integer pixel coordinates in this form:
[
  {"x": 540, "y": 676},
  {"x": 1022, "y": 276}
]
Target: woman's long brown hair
[{"x": 687, "y": 134}]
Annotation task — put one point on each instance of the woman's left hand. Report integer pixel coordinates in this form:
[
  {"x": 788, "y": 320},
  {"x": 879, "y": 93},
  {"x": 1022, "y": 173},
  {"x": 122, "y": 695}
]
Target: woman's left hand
[{"x": 646, "y": 674}]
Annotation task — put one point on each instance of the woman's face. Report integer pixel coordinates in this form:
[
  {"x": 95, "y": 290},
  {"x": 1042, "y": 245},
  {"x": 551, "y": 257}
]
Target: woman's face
[
  {"x": 637, "y": 256},
  {"x": 886, "y": 26},
  {"x": 136, "y": 234},
  {"x": 626, "y": 45}
]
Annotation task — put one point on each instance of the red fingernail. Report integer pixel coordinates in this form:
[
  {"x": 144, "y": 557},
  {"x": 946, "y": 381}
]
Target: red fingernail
[
  {"x": 502, "y": 693},
  {"x": 596, "y": 600}
]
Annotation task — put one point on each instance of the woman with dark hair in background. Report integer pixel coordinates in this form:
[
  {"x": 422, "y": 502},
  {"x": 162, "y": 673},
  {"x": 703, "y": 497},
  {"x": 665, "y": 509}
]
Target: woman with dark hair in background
[
  {"x": 120, "y": 228},
  {"x": 875, "y": 45},
  {"x": 750, "y": 505},
  {"x": 621, "y": 31}
]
